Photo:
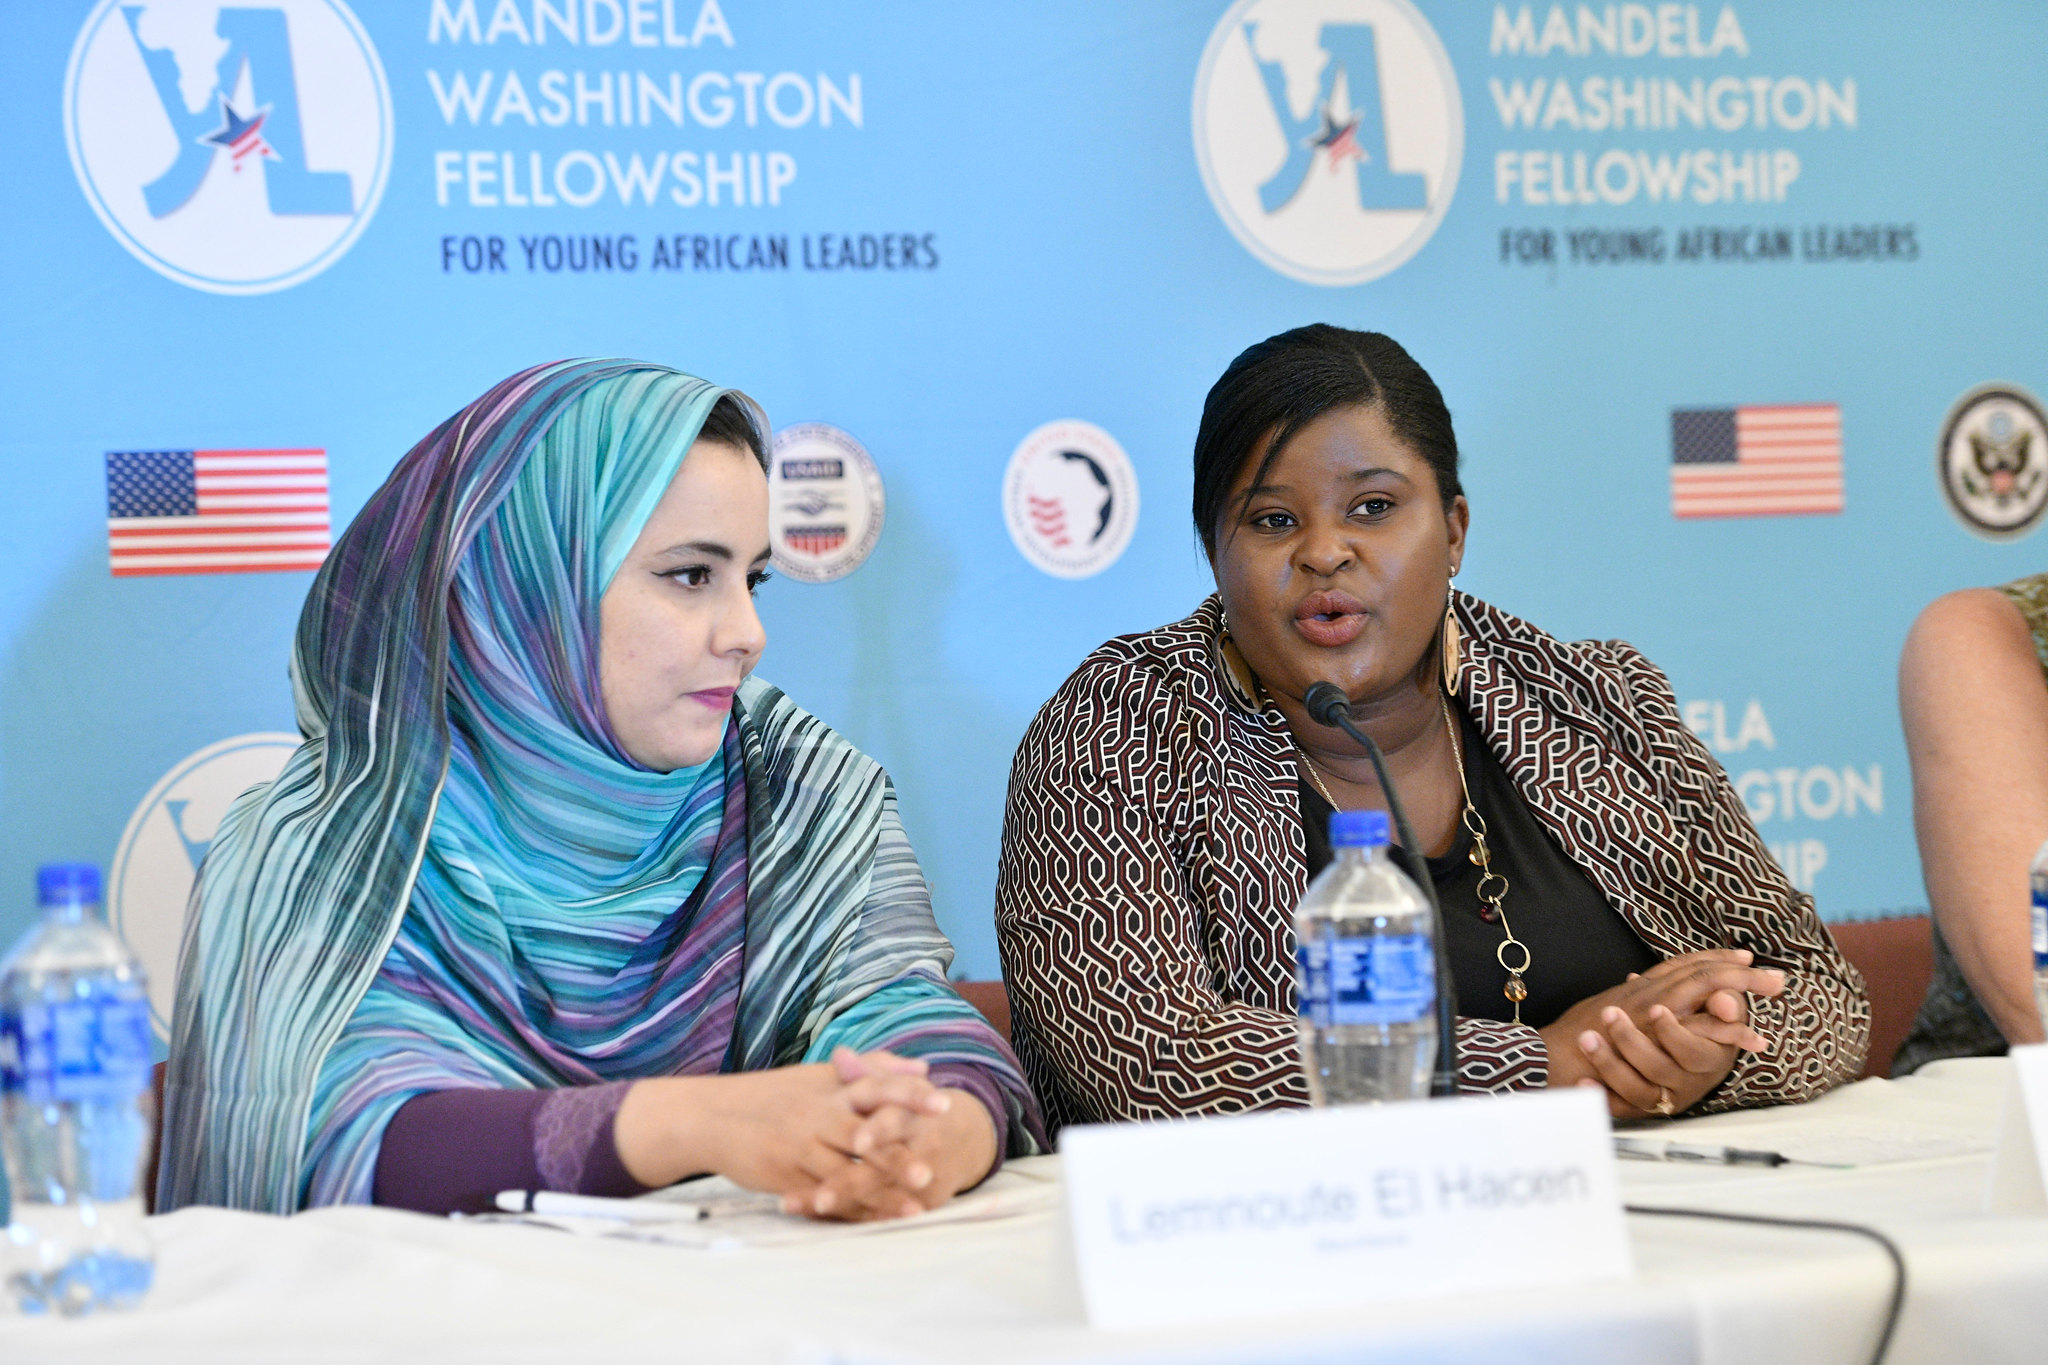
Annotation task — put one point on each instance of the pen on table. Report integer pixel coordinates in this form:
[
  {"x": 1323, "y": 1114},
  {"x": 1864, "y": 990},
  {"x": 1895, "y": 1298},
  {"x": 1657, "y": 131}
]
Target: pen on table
[
  {"x": 1709, "y": 1154},
  {"x": 550, "y": 1204}
]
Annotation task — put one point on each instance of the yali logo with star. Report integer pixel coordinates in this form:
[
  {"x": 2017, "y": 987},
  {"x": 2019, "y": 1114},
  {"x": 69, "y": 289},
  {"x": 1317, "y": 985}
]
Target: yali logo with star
[
  {"x": 1329, "y": 134},
  {"x": 235, "y": 148}
]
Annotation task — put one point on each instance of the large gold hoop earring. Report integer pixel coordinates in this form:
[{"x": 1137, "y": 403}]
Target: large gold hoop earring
[{"x": 1451, "y": 659}]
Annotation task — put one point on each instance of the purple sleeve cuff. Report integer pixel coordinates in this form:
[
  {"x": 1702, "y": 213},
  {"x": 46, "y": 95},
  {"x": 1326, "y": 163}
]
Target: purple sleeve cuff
[
  {"x": 978, "y": 1083},
  {"x": 572, "y": 1141},
  {"x": 453, "y": 1150}
]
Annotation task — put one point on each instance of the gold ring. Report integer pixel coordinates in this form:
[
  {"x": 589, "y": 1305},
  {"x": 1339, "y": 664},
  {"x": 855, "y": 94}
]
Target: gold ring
[{"x": 1665, "y": 1109}]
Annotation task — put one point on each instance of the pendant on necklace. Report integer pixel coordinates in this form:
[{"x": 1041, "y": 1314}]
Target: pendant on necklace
[
  {"x": 1488, "y": 914},
  {"x": 1516, "y": 991}
]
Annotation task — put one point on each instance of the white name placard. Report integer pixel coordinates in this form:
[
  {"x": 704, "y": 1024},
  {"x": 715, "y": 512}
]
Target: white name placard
[
  {"x": 1209, "y": 1219},
  {"x": 2017, "y": 1171}
]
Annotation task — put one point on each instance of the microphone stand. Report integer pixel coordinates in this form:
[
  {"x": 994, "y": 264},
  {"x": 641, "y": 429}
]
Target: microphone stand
[{"x": 1329, "y": 706}]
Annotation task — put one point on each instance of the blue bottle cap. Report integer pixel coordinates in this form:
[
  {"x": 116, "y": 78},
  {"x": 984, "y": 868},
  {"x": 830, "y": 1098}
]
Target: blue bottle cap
[
  {"x": 1358, "y": 829},
  {"x": 67, "y": 884}
]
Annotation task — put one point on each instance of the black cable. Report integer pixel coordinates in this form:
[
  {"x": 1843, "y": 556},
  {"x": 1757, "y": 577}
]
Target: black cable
[
  {"x": 1891, "y": 1249},
  {"x": 1329, "y": 706}
]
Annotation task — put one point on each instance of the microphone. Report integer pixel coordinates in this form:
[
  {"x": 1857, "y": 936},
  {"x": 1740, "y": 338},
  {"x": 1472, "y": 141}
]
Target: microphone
[{"x": 1328, "y": 706}]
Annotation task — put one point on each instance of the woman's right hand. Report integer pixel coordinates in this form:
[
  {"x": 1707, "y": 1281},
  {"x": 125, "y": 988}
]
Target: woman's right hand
[
  {"x": 1671, "y": 1033},
  {"x": 792, "y": 1131}
]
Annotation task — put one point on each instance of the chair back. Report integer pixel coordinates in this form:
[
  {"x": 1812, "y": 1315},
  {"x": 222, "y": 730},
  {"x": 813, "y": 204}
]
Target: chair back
[
  {"x": 991, "y": 999},
  {"x": 1896, "y": 957}
]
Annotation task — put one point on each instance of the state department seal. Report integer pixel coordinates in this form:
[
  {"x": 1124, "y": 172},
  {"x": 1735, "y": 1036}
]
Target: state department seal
[
  {"x": 1993, "y": 461},
  {"x": 825, "y": 502}
]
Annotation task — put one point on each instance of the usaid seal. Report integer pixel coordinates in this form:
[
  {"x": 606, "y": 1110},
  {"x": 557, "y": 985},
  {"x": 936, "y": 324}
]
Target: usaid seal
[
  {"x": 1993, "y": 461},
  {"x": 824, "y": 502},
  {"x": 158, "y": 858},
  {"x": 235, "y": 148},
  {"x": 1329, "y": 133},
  {"x": 1071, "y": 498}
]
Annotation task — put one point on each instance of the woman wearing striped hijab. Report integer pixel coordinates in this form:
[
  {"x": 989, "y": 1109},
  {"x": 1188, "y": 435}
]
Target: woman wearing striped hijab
[{"x": 555, "y": 894}]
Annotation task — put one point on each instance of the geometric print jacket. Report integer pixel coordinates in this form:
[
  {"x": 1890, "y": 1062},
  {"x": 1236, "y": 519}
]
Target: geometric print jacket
[{"x": 1152, "y": 858}]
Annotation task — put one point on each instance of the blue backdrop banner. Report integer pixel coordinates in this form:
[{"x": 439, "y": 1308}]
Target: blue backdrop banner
[{"x": 1737, "y": 308}]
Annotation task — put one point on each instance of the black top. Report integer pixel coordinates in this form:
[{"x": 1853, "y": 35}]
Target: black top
[{"x": 1578, "y": 944}]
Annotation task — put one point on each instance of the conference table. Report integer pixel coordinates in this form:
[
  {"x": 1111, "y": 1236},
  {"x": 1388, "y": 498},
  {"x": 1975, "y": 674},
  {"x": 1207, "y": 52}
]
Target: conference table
[{"x": 988, "y": 1280}]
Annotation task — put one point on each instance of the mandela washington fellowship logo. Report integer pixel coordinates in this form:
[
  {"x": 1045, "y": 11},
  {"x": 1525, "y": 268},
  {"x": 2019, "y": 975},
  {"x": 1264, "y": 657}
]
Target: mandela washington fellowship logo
[
  {"x": 824, "y": 502},
  {"x": 233, "y": 148},
  {"x": 1329, "y": 133},
  {"x": 1993, "y": 461},
  {"x": 158, "y": 858},
  {"x": 1071, "y": 498}
]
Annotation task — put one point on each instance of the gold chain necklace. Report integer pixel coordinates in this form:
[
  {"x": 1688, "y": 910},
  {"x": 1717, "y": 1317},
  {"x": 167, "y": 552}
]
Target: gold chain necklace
[
  {"x": 1308, "y": 765},
  {"x": 1512, "y": 954}
]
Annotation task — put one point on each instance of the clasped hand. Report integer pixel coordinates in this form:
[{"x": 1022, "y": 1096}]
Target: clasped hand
[
  {"x": 1659, "y": 1041},
  {"x": 865, "y": 1135}
]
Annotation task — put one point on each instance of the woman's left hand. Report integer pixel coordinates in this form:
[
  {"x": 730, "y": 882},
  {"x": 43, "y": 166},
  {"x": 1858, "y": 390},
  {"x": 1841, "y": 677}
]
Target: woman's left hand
[
  {"x": 1665, "y": 1065},
  {"x": 907, "y": 1161},
  {"x": 1661, "y": 1039}
]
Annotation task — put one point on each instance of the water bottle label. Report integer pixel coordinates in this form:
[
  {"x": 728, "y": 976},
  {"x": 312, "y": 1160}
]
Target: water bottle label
[
  {"x": 1385, "y": 980},
  {"x": 2040, "y": 930},
  {"x": 76, "y": 1050},
  {"x": 1313, "y": 981}
]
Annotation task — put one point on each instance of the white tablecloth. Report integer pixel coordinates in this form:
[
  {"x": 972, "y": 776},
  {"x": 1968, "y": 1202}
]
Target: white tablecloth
[{"x": 368, "y": 1284}]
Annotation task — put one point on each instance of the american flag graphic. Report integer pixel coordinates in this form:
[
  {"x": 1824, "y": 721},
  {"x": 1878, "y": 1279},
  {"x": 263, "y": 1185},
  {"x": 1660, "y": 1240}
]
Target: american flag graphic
[
  {"x": 215, "y": 511},
  {"x": 1758, "y": 461}
]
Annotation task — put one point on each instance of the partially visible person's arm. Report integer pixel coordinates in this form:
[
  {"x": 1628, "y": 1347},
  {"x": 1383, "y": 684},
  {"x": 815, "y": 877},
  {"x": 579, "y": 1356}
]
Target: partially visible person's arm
[{"x": 1976, "y": 716}]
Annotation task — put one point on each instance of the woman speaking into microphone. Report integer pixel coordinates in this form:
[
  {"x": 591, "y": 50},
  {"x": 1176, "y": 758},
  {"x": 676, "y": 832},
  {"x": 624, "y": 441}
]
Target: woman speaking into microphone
[{"x": 1611, "y": 916}]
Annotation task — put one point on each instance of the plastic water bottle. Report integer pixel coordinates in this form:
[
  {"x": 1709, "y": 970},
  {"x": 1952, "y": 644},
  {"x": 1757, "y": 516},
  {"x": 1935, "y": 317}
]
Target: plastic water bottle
[
  {"x": 1365, "y": 972},
  {"x": 76, "y": 1111},
  {"x": 2038, "y": 875}
]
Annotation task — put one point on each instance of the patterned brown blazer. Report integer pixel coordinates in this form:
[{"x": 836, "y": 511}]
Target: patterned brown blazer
[{"x": 1153, "y": 855}]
